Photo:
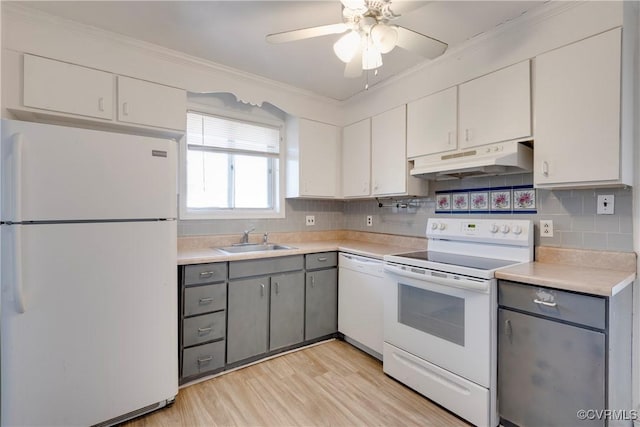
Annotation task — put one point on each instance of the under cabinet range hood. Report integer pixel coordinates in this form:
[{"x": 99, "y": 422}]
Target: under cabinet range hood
[{"x": 495, "y": 159}]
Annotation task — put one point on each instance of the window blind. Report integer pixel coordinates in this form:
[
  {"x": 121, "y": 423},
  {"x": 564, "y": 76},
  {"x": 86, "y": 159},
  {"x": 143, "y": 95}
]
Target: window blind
[{"x": 207, "y": 132}]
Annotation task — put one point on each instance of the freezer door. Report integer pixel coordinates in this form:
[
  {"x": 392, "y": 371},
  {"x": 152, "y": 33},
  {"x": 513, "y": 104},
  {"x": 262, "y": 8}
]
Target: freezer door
[
  {"x": 97, "y": 337},
  {"x": 52, "y": 173}
]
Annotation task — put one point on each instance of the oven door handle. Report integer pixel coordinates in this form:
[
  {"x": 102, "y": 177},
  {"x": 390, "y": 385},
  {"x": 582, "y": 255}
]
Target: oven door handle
[{"x": 473, "y": 285}]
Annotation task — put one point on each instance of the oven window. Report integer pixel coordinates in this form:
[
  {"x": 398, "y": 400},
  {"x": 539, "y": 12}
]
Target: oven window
[{"x": 434, "y": 313}]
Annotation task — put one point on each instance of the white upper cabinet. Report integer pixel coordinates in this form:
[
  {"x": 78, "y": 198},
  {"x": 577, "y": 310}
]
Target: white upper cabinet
[
  {"x": 356, "y": 159},
  {"x": 313, "y": 159},
  {"x": 151, "y": 104},
  {"x": 432, "y": 123},
  {"x": 55, "y": 89},
  {"x": 389, "y": 166},
  {"x": 577, "y": 105},
  {"x": 67, "y": 88},
  {"x": 495, "y": 107}
]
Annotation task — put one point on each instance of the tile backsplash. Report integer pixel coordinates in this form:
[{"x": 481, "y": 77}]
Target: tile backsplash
[{"x": 573, "y": 213}]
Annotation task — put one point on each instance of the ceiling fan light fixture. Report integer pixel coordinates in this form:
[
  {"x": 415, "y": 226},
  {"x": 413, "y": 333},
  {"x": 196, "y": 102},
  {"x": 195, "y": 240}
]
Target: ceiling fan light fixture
[
  {"x": 347, "y": 46},
  {"x": 384, "y": 37}
]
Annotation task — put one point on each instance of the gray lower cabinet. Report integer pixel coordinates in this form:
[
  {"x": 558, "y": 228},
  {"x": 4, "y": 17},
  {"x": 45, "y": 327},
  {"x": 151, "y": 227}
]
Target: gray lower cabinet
[
  {"x": 286, "y": 323},
  {"x": 202, "y": 321},
  {"x": 248, "y": 318},
  {"x": 321, "y": 299},
  {"x": 561, "y": 352}
]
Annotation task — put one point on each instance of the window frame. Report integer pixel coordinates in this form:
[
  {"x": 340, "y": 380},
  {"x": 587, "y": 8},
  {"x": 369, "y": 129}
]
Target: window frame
[{"x": 278, "y": 210}]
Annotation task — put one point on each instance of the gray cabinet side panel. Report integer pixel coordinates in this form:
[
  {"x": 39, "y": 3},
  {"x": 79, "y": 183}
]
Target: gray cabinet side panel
[
  {"x": 248, "y": 314},
  {"x": 547, "y": 371},
  {"x": 321, "y": 317},
  {"x": 620, "y": 342},
  {"x": 287, "y": 310}
]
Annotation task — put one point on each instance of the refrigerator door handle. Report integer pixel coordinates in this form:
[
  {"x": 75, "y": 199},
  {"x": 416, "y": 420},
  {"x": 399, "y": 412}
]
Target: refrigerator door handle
[
  {"x": 16, "y": 148},
  {"x": 17, "y": 271}
]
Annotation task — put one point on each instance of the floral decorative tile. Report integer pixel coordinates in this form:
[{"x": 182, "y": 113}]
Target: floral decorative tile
[
  {"x": 460, "y": 202},
  {"x": 501, "y": 200},
  {"x": 524, "y": 199},
  {"x": 479, "y": 200},
  {"x": 443, "y": 202}
]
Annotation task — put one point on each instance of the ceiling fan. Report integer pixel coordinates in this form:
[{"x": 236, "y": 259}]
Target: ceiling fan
[{"x": 368, "y": 34}]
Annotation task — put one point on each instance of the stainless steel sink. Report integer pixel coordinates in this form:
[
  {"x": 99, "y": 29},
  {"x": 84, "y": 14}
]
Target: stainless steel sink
[{"x": 254, "y": 247}]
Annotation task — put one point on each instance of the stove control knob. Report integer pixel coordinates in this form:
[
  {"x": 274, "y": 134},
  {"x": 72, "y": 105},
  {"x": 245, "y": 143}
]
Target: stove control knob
[
  {"x": 442, "y": 226},
  {"x": 505, "y": 229},
  {"x": 517, "y": 229},
  {"x": 434, "y": 225},
  {"x": 493, "y": 228}
]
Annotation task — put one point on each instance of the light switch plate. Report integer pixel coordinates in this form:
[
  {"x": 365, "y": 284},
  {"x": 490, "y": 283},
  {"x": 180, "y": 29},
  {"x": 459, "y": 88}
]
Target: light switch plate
[
  {"x": 546, "y": 228},
  {"x": 606, "y": 204}
]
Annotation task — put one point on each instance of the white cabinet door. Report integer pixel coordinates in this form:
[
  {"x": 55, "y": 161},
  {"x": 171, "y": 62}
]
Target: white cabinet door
[
  {"x": 389, "y": 152},
  {"x": 577, "y": 104},
  {"x": 151, "y": 104},
  {"x": 67, "y": 88},
  {"x": 356, "y": 159},
  {"x": 432, "y": 123},
  {"x": 496, "y": 107},
  {"x": 313, "y": 159}
]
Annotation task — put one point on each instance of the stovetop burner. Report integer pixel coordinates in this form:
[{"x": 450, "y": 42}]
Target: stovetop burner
[{"x": 478, "y": 263}]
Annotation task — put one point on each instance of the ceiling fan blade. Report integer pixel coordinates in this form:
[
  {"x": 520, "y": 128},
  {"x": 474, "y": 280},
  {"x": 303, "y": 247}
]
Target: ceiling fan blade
[
  {"x": 306, "y": 33},
  {"x": 353, "y": 68},
  {"x": 419, "y": 43}
]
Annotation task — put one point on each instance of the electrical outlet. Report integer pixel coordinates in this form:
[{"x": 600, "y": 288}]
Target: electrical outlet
[
  {"x": 369, "y": 220},
  {"x": 311, "y": 220},
  {"x": 605, "y": 204},
  {"x": 546, "y": 228}
]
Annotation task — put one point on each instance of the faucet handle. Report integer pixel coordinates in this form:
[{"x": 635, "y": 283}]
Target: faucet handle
[{"x": 265, "y": 238}]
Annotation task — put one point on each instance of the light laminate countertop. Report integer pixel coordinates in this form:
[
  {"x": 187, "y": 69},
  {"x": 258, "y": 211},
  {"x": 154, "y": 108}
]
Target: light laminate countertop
[{"x": 369, "y": 249}]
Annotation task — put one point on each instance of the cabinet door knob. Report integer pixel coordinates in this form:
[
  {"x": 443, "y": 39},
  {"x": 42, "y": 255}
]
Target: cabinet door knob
[
  {"x": 277, "y": 288},
  {"x": 467, "y": 135},
  {"x": 261, "y": 290},
  {"x": 101, "y": 104},
  {"x": 449, "y": 137},
  {"x": 125, "y": 108},
  {"x": 508, "y": 330},
  {"x": 313, "y": 281}
]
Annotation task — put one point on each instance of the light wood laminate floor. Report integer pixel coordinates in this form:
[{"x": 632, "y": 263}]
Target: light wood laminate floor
[{"x": 331, "y": 384}]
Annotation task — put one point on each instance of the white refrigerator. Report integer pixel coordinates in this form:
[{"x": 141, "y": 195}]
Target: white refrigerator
[{"x": 88, "y": 295}]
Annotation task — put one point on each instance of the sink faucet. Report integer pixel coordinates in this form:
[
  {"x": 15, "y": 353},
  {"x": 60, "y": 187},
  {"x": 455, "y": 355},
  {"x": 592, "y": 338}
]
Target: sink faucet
[
  {"x": 265, "y": 238},
  {"x": 245, "y": 235}
]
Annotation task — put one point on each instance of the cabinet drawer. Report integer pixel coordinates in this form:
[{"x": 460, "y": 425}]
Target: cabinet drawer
[
  {"x": 321, "y": 260},
  {"x": 205, "y": 328},
  {"x": 205, "y": 273},
  {"x": 204, "y": 299},
  {"x": 203, "y": 358},
  {"x": 576, "y": 308},
  {"x": 264, "y": 267}
]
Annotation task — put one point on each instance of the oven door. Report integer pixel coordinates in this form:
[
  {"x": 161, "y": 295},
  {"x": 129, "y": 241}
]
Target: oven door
[{"x": 441, "y": 321}]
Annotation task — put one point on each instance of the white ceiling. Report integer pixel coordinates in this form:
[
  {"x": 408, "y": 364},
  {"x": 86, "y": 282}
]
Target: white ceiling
[{"x": 232, "y": 33}]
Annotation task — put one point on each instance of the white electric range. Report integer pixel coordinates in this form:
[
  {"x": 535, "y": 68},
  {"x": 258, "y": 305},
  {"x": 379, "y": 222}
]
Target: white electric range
[{"x": 440, "y": 314}]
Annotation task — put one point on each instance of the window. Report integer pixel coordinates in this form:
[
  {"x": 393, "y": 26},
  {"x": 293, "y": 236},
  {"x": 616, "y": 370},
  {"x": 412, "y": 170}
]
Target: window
[{"x": 232, "y": 168}]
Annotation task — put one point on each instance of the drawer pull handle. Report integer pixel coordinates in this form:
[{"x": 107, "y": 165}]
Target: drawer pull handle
[
  {"x": 261, "y": 290},
  {"x": 207, "y": 273},
  {"x": 101, "y": 104},
  {"x": 206, "y": 301},
  {"x": 125, "y": 108},
  {"x": 546, "y": 303},
  {"x": 204, "y": 330},
  {"x": 508, "y": 330},
  {"x": 277, "y": 288},
  {"x": 313, "y": 281},
  {"x": 322, "y": 259},
  {"x": 205, "y": 360}
]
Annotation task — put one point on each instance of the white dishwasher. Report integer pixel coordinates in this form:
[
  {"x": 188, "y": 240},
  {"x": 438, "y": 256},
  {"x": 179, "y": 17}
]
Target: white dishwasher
[{"x": 360, "y": 304}]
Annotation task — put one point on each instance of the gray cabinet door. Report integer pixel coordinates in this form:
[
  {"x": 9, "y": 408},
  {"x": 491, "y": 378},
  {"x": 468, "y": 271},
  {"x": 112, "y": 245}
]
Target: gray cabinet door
[
  {"x": 321, "y": 317},
  {"x": 547, "y": 371},
  {"x": 287, "y": 310},
  {"x": 248, "y": 318}
]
